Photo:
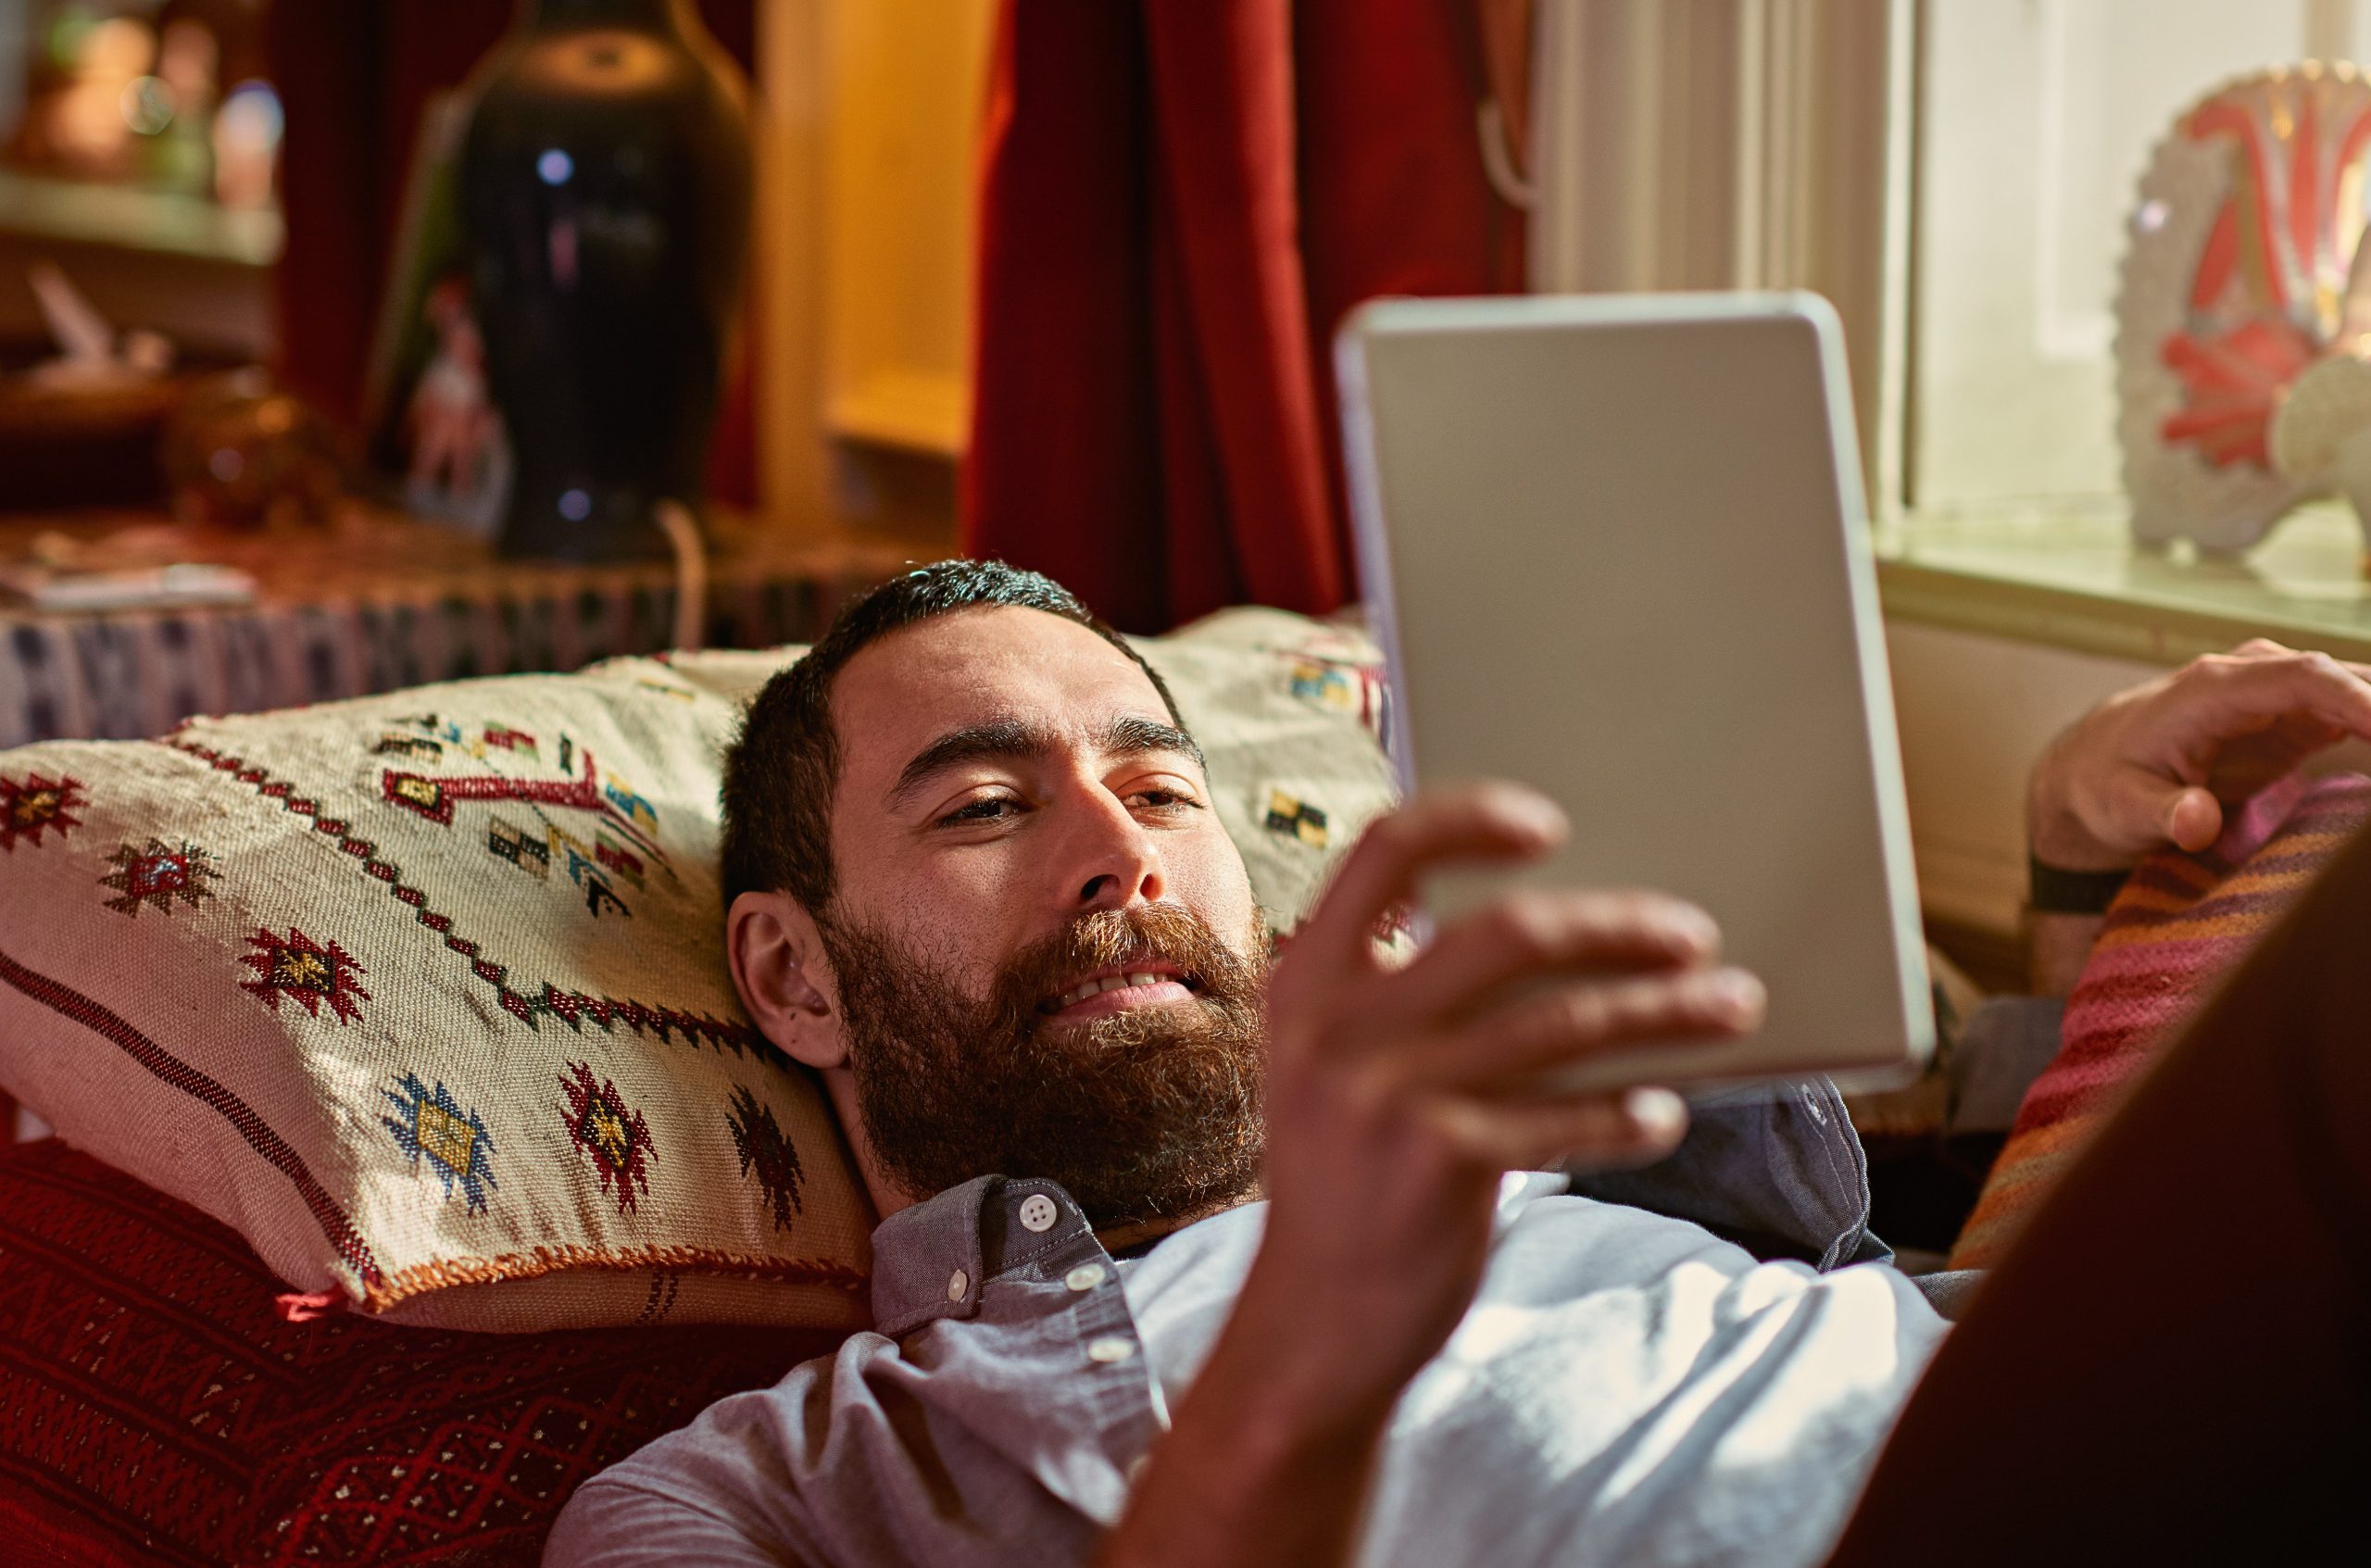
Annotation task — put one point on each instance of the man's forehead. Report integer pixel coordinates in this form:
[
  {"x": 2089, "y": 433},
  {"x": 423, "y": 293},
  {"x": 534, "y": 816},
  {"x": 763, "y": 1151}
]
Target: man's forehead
[{"x": 905, "y": 689}]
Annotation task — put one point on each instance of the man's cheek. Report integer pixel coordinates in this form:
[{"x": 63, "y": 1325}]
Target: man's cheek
[
  {"x": 961, "y": 914},
  {"x": 1213, "y": 887}
]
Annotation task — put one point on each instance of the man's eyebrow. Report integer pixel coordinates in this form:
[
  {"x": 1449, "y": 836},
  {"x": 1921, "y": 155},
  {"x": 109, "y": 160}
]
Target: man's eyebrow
[
  {"x": 1017, "y": 739},
  {"x": 1132, "y": 738},
  {"x": 999, "y": 737}
]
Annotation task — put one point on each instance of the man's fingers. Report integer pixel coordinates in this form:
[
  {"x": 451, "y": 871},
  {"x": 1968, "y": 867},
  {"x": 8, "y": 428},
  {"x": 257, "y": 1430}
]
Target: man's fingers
[
  {"x": 2194, "y": 819},
  {"x": 2145, "y": 808},
  {"x": 1491, "y": 821},
  {"x": 1569, "y": 1022},
  {"x": 2266, "y": 649},
  {"x": 2248, "y": 690},
  {"x": 2233, "y": 722},
  {"x": 1549, "y": 931},
  {"x": 1630, "y": 1127}
]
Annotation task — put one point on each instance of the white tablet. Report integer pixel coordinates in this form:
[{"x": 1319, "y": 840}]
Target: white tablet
[{"x": 1617, "y": 547}]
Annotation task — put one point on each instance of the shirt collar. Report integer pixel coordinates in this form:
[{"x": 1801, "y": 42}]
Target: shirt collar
[{"x": 930, "y": 1261}]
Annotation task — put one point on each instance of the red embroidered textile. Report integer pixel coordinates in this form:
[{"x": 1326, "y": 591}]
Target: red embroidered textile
[{"x": 155, "y": 1408}]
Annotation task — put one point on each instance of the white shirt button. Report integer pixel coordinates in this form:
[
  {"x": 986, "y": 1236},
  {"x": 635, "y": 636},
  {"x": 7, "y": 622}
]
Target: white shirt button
[
  {"x": 1087, "y": 1276},
  {"x": 1038, "y": 1214},
  {"x": 1110, "y": 1350},
  {"x": 956, "y": 1284}
]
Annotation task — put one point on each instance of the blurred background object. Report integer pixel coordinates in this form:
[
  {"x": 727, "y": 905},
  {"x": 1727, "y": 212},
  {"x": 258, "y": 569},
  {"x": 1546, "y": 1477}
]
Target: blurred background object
[
  {"x": 79, "y": 425},
  {"x": 605, "y": 194},
  {"x": 2241, "y": 309},
  {"x": 139, "y": 147},
  {"x": 169, "y": 96},
  {"x": 376, "y": 110},
  {"x": 190, "y": 516},
  {"x": 238, "y": 451},
  {"x": 92, "y": 445}
]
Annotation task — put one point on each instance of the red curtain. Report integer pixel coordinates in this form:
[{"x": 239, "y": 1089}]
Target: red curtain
[
  {"x": 1179, "y": 199},
  {"x": 353, "y": 78}
]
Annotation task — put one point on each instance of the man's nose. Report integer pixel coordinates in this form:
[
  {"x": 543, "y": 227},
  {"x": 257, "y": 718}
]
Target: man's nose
[{"x": 1114, "y": 863}]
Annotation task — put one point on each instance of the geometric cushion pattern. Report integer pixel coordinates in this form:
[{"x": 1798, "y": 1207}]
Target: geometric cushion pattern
[
  {"x": 2180, "y": 926},
  {"x": 423, "y": 993},
  {"x": 154, "y": 1409}
]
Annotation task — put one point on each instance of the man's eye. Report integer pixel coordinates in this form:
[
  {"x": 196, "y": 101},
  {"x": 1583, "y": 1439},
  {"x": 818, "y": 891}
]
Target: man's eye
[
  {"x": 1166, "y": 800},
  {"x": 990, "y": 808}
]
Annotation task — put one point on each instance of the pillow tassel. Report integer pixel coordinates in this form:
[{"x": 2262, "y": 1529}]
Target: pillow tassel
[{"x": 305, "y": 1306}]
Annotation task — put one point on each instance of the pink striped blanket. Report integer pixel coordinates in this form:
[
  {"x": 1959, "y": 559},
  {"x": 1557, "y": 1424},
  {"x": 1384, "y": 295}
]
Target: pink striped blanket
[{"x": 2175, "y": 931}]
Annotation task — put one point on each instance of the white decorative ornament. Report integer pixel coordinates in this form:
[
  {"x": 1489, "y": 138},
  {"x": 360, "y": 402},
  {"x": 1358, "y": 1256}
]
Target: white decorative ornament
[{"x": 2243, "y": 309}]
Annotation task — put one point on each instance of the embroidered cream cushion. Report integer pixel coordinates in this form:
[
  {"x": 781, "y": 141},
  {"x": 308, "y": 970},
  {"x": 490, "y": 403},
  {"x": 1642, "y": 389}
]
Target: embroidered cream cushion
[{"x": 423, "y": 995}]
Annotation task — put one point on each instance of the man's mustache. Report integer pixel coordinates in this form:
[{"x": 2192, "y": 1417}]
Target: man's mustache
[{"x": 1154, "y": 937}]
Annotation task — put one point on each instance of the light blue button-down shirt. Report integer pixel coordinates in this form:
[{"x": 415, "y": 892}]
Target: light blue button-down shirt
[{"x": 1627, "y": 1387}]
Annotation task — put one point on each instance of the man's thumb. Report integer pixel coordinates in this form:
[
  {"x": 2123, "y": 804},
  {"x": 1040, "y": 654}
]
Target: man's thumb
[{"x": 2193, "y": 819}]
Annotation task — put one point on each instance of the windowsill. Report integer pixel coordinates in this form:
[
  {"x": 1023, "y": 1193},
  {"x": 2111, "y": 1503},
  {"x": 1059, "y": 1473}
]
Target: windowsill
[
  {"x": 2071, "y": 577},
  {"x": 127, "y": 218}
]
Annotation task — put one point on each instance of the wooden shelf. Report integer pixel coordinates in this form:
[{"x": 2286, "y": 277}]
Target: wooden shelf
[{"x": 126, "y": 217}]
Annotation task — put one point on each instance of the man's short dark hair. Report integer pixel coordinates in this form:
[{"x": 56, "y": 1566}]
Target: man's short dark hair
[{"x": 782, "y": 770}]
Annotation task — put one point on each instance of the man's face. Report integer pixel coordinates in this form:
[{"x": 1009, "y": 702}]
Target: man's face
[{"x": 1047, "y": 955}]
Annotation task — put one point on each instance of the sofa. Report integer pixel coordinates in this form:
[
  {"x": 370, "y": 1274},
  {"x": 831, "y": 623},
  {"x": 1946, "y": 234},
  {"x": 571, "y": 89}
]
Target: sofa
[{"x": 416, "y": 1162}]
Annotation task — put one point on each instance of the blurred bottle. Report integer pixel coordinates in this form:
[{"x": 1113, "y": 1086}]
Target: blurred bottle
[{"x": 605, "y": 192}]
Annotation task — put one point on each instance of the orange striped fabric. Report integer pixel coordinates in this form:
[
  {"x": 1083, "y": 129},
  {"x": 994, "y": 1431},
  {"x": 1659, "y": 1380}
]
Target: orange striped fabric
[{"x": 2177, "y": 927}]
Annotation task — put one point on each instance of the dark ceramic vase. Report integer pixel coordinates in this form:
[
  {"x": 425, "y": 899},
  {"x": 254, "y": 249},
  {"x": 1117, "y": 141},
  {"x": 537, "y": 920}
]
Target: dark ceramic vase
[{"x": 605, "y": 194}]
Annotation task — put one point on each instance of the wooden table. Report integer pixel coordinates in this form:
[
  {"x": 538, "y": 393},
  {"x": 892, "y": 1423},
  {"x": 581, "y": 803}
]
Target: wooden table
[{"x": 381, "y": 603}]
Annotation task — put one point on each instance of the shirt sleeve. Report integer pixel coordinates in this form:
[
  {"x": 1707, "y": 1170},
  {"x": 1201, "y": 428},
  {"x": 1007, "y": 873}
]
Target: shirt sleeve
[
  {"x": 1776, "y": 1168},
  {"x": 2005, "y": 1045},
  {"x": 622, "y": 1525}
]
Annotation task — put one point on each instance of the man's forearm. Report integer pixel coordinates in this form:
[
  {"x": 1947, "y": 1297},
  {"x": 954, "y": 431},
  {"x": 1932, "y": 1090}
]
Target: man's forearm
[{"x": 1268, "y": 1459}]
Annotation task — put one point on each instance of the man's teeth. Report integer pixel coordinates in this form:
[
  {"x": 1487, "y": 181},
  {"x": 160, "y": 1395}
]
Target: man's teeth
[{"x": 1109, "y": 983}]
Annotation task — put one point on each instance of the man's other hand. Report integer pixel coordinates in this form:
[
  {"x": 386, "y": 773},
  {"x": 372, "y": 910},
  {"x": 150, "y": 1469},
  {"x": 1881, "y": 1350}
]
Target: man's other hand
[
  {"x": 1397, "y": 1097},
  {"x": 2160, "y": 763}
]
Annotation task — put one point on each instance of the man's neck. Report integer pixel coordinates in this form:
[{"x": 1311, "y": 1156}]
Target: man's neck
[{"x": 1136, "y": 1233}]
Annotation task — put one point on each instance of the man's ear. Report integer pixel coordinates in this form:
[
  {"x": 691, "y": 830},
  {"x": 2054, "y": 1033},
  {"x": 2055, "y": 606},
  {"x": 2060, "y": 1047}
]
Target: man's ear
[{"x": 783, "y": 977}]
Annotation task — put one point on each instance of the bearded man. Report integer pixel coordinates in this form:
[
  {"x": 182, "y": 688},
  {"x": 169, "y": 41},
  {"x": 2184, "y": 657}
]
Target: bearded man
[{"x": 1190, "y": 1257}]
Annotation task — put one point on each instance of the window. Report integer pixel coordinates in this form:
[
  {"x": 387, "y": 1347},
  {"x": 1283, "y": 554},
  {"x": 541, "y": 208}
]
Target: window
[
  {"x": 2037, "y": 120},
  {"x": 1733, "y": 144},
  {"x": 1956, "y": 175}
]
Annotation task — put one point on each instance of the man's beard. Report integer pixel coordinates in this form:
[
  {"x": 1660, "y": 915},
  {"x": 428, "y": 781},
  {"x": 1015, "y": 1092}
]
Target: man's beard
[{"x": 1148, "y": 1113}]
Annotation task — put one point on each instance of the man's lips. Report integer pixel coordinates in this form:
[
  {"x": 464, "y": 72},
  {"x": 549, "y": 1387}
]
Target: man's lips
[{"x": 1117, "y": 988}]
